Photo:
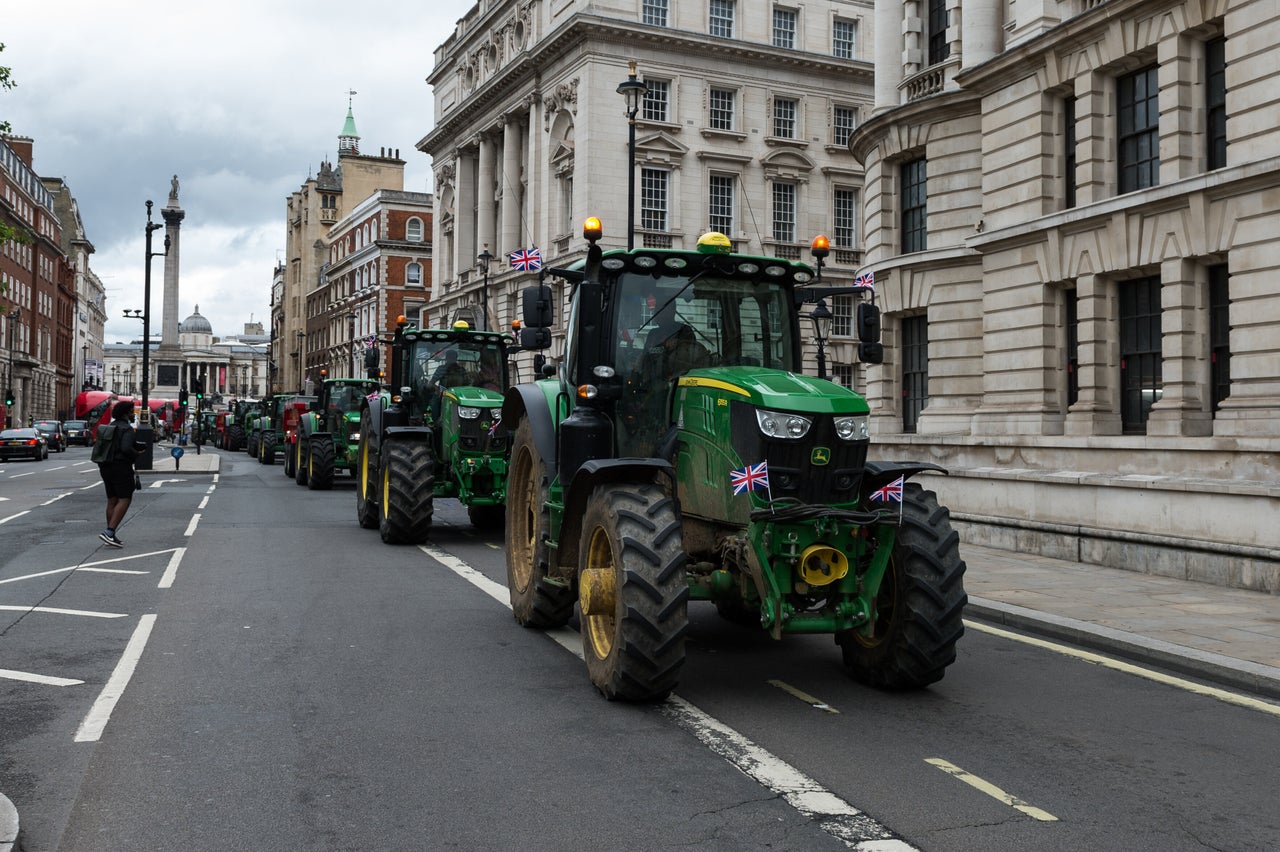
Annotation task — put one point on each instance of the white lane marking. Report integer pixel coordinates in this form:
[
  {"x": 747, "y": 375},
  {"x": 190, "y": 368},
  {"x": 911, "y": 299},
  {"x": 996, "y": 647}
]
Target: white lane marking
[
  {"x": 833, "y": 814},
  {"x": 92, "y": 566},
  {"x": 96, "y": 720},
  {"x": 12, "y": 517},
  {"x": 815, "y": 703},
  {"x": 204, "y": 502},
  {"x": 110, "y": 571},
  {"x": 56, "y": 611},
  {"x": 20, "y": 475},
  {"x": 126, "y": 558},
  {"x": 52, "y": 469},
  {"x": 1129, "y": 668},
  {"x": 215, "y": 477},
  {"x": 11, "y": 674},
  {"x": 56, "y": 499},
  {"x": 91, "y": 485},
  {"x": 171, "y": 571},
  {"x": 77, "y": 464},
  {"x": 191, "y": 527},
  {"x": 160, "y": 482},
  {"x": 990, "y": 789}
]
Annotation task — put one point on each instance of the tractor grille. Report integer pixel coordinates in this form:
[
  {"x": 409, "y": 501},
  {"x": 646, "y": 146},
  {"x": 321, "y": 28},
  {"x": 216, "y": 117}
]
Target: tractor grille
[
  {"x": 482, "y": 434},
  {"x": 792, "y": 471}
]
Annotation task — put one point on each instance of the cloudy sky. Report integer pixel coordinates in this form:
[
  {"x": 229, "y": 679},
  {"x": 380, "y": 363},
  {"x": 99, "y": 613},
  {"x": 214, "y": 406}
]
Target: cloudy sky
[{"x": 241, "y": 99}]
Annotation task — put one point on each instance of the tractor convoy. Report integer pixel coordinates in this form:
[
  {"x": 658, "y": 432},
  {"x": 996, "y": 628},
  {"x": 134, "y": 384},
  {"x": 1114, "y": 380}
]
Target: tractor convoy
[{"x": 675, "y": 452}]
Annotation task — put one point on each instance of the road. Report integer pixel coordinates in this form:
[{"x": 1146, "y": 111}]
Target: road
[{"x": 286, "y": 681}]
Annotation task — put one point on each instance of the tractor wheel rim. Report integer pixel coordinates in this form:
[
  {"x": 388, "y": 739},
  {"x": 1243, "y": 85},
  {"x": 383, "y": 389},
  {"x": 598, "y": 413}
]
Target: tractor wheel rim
[
  {"x": 600, "y": 629},
  {"x": 522, "y": 535}
]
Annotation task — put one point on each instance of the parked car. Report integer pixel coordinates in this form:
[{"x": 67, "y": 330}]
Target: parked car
[
  {"x": 25, "y": 443},
  {"x": 54, "y": 434},
  {"x": 78, "y": 432}
]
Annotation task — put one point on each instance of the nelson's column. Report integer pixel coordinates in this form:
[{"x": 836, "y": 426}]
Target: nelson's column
[{"x": 169, "y": 356}]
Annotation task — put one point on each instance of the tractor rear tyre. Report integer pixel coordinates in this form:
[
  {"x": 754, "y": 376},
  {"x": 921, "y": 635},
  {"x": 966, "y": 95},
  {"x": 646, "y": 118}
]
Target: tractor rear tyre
[
  {"x": 267, "y": 449},
  {"x": 486, "y": 517},
  {"x": 536, "y": 601},
  {"x": 301, "y": 459},
  {"x": 366, "y": 481},
  {"x": 288, "y": 459},
  {"x": 633, "y": 592},
  {"x": 407, "y": 491},
  {"x": 920, "y": 605},
  {"x": 251, "y": 444},
  {"x": 235, "y": 438},
  {"x": 320, "y": 463}
]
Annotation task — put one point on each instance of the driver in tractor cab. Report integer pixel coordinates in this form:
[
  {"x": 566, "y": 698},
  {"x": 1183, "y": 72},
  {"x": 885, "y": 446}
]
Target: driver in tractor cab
[{"x": 671, "y": 350}]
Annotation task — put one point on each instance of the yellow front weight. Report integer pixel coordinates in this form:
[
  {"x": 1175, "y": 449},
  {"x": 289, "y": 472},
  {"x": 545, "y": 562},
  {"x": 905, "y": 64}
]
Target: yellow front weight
[
  {"x": 821, "y": 565},
  {"x": 597, "y": 592}
]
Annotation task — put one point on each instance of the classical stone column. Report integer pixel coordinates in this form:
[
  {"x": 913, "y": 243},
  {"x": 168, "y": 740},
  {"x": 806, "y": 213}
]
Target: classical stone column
[
  {"x": 511, "y": 194},
  {"x": 1097, "y": 409},
  {"x": 1184, "y": 342},
  {"x": 485, "y": 206},
  {"x": 168, "y": 358},
  {"x": 889, "y": 52},
  {"x": 464, "y": 231}
]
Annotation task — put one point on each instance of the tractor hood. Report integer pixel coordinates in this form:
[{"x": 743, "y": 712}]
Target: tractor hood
[
  {"x": 479, "y": 397},
  {"x": 777, "y": 389}
]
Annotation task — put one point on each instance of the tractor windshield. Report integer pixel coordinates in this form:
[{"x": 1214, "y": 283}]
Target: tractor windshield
[{"x": 444, "y": 364}]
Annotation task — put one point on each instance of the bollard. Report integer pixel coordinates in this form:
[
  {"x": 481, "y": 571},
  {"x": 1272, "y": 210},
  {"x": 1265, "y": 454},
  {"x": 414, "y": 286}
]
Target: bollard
[{"x": 176, "y": 452}]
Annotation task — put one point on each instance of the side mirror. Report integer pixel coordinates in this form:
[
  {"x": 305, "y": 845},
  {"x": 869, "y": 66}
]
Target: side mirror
[
  {"x": 535, "y": 338},
  {"x": 535, "y": 303},
  {"x": 868, "y": 323},
  {"x": 371, "y": 362},
  {"x": 871, "y": 353}
]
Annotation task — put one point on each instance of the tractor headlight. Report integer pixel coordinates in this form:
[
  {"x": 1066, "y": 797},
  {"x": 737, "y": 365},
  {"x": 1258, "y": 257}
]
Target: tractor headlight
[
  {"x": 355, "y": 436},
  {"x": 854, "y": 428},
  {"x": 466, "y": 412},
  {"x": 778, "y": 424},
  {"x": 495, "y": 414}
]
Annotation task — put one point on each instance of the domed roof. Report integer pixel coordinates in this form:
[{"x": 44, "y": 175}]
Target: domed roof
[{"x": 195, "y": 324}]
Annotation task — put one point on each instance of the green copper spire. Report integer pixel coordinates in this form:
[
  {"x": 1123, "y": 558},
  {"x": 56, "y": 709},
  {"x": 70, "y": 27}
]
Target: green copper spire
[{"x": 349, "y": 139}]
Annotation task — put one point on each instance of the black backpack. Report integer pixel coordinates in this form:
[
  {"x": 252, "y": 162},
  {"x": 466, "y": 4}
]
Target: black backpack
[{"x": 104, "y": 449}]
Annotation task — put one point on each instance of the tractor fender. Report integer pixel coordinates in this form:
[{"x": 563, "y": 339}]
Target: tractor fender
[
  {"x": 600, "y": 472},
  {"x": 530, "y": 401},
  {"x": 406, "y": 433},
  {"x": 877, "y": 474}
]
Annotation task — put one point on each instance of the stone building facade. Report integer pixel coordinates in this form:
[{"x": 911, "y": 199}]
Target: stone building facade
[
  {"x": 90, "y": 294},
  {"x": 744, "y": 131},
  {"x": 1071, "y": 218}
]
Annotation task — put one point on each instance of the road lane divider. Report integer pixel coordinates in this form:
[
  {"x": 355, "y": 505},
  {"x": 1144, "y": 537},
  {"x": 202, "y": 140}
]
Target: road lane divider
[
  {"x": 191, "y": 527},
  {"x": 11, "y": 674},
  {"x": 829, "y": 812},
  {"x": 171, "y": 571},
  {"x": 53, "y": 610},
  {"x": 95, "y": 721},
  {"x": 14, "y": 517},
  {"x": 815, "y": 703},
  {"x": 990, "y": 789}
]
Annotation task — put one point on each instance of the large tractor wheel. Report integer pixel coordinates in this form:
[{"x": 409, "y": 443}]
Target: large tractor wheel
[
  {"x": 289, "y": 459},
  {"x": 366, "y": 481},
  {"x": 320, "y": 462},
  {"x": 235, "y": 438},
  {"x": 921, "y": 601},
  {"x": 536, "y": 601},
  {"x": 251, "y": 444},
  {"x": 633, "y": 592},
  {"x": 301, "y": 459},
  {"x": 406, "y": 493},
  {"x": 267, "y": 449},
  {"x": 486, "y": 517}
]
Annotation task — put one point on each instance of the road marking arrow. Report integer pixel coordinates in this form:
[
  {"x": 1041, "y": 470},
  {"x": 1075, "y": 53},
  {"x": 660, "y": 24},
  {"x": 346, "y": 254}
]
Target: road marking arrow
[{"x": 160, "y": 482}]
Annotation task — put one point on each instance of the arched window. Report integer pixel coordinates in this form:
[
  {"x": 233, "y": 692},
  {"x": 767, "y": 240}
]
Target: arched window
[
  {"x": 413, "y": 230},
  {"x": 413, "y": 273}
]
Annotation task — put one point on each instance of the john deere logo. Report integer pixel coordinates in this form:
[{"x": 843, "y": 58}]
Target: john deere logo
[{"x": 820, "y": 456}]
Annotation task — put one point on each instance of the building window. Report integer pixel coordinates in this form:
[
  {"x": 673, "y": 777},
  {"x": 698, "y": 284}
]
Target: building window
[
  {"x": 720, "y": 205},
  {"x": 915, "y": 370},
  {"x": 655, "y": 12},
  {"x": 413, "y": 273},
  {"x": 784, "y": 28},
  {"x": 844, "y": 36},
  {"x": 653, "y": 199},
  {"x": 842, "y": 374},
  {"x": 1141, "y": 357},
  {"x": 721, "y": 107},
  {"x": 1219, "y": 335},
  {"x": 784, "y": 212},
  {"x": 656, "y": 100},
  {"x": 1069, "y": 151},
  {"x": 914, "y": 206},
  {"x": 784, "y": 117},
  {"x": 413, "y": 230},
  {"x": 841, "y": 316},
  {"x": 1215, "y": 85},
  {"x": 844, "y": 120},
  {"x": 1070, "y": 318},
  {"x": 1138, "y": 113},
  {"x": 722, "y": 18},
  {"x": 939, "y": 47},
  {"x": 844, "y": 219}
]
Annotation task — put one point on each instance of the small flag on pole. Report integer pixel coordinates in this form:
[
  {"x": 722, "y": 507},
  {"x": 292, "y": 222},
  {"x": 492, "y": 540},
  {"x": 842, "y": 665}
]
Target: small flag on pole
[
  {"x": 865, "y": 279},
  {"x": 371, "y": 343},
  {"x": 527, "y": 260},
  {"x": 891, "y": 493},
  {"x": 750, "y": 478}
]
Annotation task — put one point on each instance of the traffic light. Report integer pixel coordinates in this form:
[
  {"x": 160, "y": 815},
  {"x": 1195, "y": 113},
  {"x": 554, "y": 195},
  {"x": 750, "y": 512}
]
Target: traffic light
[
  {"x": 198, "y": 387},
  {"x": 8, "y": 397},
  {"x": 182, "y": 397}
]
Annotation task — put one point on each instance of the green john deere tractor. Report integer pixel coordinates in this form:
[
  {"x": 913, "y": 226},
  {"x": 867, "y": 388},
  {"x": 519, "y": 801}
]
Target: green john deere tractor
[
  {"x": 439, "y": 433},
  {"x": 240, "y": 413},
  {"x": 269, "y": 427},
  {"x": 681, "y": 455},
  {"x": 329, "y": 433}
]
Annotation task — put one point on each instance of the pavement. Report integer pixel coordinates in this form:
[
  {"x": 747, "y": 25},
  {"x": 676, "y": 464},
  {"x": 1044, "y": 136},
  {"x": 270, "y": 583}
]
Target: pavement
[{"x": 1228, "y": 637}]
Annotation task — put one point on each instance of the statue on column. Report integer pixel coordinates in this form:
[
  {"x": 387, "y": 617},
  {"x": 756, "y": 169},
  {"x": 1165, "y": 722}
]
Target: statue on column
[{"x": 173, "y": 191}]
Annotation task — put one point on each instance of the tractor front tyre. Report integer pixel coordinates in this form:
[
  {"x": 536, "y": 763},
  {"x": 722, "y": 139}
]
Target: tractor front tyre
[
  {"x": 288, "y": 460},
  {"x": 267, "y": 449},
  {"x": 536, "y": 601},
  {"x": 407, "y": 491},
  {"x": 918, "y": 616},
  {"x": 320, "y": 463},
  {"x": 301, "y": 460},
  {"x": 366, "y": 482},
  {"x": 633, "y": 592},
  {"x": 235, "y": 438},
  {"x": 251, "y": 444}
]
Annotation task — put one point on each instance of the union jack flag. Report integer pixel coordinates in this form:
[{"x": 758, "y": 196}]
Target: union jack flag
[
  {"x": 891, "y": 493},
  {"x": 750, "y": 478},
  {"x": 865, "y": 279},
  {"x": 371, "y": 342},
  {"x": 527, "y": 259}
]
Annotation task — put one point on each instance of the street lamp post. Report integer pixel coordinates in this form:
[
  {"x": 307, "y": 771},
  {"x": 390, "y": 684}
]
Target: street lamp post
[
  {"x": 10, "y": 390},
  {"x": 633, "y": 92},
  {"x": 300, "y": 335},
  {"x": 485, "y": 259},
  {"x": 821, "y": 316},
  {"x": 145, "y": 436},
  {"x": 351, "y": 332}
]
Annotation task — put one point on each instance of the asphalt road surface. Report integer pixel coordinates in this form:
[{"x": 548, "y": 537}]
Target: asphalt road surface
[{"x": 254, "y": 671}]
